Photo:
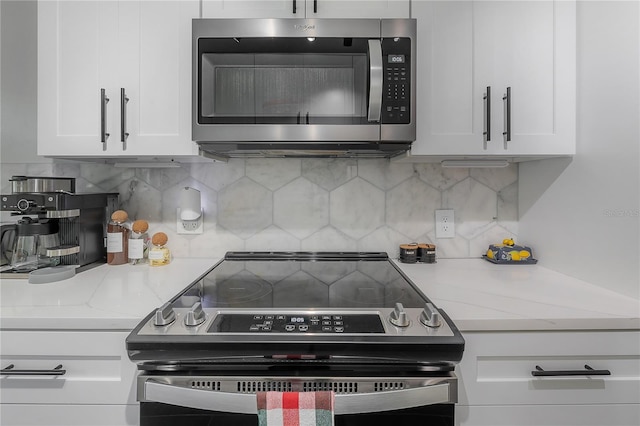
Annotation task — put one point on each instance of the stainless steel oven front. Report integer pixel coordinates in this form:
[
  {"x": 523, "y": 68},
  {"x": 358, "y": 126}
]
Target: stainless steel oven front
[
  {"x": 199, "y": 399},
  {"x": 303, "y": 84}
]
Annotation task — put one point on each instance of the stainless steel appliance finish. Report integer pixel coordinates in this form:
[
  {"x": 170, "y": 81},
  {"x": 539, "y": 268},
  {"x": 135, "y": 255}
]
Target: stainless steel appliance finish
[
  {"x": 350, "y": 323},
  {"x": 79, "y": 220},
  {"x": 26, "y": 184},
  {"x": 304, "y": 87}
]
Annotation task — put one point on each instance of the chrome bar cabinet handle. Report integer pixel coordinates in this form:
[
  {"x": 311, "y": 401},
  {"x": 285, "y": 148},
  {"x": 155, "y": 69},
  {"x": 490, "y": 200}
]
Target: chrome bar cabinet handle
[
  {"x": 588, "y": 371},
  {"x": 506, "y": 134},
  {"x": 124, "y": 100},
  {"x": 10, "y": 371},
  {"x": 487, "y": 117},
  {"x": 103, "y": 118},
  {"x": 315, "y": 6}
]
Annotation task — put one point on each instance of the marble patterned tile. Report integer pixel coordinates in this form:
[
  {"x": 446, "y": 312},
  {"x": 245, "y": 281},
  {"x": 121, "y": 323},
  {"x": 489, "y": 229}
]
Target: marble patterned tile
[
  {"x": 383, "y": 173},
  {"x": 410, "y": 206},
  {"x": 217, "y": 175},
  {"x": 245, "y": 208},
  {"x": 106, "y": 176},
  {"x": 508, "y": 207},
  {"x": 475, "y": 207},
  {"x": 383, "y": 239},
  {"x": 438, "y": 177},
  {"x": 140, "y": 200},
  {"x": 496, "y": 178},
  {"x": 214, "y": 243},
  {"x": 329, "y": 173},
  {"x": 163, "y": 178},
  {"x": 301, "y": 208},
  {"x": 357, "y": 208},
  {"x": 328, "y": 239},
  {"x": 273, "y": 238},
  {"x": 273, "y": 173},
  {"x": 449, "y": 248}
]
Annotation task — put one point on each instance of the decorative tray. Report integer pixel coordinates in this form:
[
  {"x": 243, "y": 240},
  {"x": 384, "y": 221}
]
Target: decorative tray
[{"x": 529, "y": 261}]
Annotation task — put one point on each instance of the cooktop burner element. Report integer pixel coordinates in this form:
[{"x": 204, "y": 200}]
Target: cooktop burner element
[{"x": 287, "y": 305}]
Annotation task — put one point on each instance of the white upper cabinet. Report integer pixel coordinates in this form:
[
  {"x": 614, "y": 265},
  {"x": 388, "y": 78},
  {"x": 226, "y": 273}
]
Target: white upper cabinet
[
  {"x": 305, "y": 8},
  {"x": 496, "y": 70},
  {"x": 86, "y": 48}
]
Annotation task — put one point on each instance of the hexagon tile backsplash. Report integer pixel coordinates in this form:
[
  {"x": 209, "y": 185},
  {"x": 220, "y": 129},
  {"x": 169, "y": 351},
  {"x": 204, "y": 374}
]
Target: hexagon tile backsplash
[{"x": 309, "y": 204}]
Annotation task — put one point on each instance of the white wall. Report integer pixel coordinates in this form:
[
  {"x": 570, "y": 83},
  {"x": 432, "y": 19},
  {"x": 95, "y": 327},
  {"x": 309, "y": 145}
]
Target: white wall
[{"x": 581, "y": 216}]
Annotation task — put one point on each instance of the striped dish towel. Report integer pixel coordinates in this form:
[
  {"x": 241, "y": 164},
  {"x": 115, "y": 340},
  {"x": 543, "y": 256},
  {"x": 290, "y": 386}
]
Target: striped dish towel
[{"x": 295, "y": 408}]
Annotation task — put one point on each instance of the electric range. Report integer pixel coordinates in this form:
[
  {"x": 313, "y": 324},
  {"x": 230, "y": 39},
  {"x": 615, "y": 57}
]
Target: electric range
[{"x": 297, "y": 321}]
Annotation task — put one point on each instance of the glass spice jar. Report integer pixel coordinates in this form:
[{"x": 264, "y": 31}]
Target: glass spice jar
[
  {"x": 139, "y": 243},
  {"x": 118, "y": 238},
  {"x": 159, "y": 254}
]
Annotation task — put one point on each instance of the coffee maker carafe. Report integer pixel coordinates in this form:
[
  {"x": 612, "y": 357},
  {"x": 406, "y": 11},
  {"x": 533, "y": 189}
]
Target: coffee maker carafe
[{"x": 35, "y": 244}]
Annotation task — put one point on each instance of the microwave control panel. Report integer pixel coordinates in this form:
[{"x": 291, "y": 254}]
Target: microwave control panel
[{"x": 396, "y": 87}]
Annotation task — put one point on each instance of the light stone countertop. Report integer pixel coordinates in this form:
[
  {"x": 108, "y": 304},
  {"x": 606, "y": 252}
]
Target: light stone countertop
[{"x": 476, "y": 294}]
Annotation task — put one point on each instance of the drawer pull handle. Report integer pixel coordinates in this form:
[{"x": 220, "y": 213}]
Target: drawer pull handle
[
  {"x": 9, "y": 371},
  {"x": 588, "y": 371}
]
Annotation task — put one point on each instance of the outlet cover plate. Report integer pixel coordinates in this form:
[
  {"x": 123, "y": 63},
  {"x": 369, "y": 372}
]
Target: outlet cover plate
[
  {"x": 445, "y": 224},
  {"x": 190, "y": 226}
]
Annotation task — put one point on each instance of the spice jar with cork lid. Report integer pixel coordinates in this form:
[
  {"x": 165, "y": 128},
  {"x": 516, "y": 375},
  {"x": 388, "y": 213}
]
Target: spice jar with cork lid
[
  {"x": 139, "y": 242},
  {"x": 159, "y": 254},
  {"x": 118, "y": 238}
]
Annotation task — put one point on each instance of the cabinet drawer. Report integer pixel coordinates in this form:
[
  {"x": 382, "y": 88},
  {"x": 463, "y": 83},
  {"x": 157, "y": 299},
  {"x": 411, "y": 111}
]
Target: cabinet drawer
[
  {"x": 69, "y": 415},
  {"x": 95, "y": 364},
  {"x": 497, "y": 368}
]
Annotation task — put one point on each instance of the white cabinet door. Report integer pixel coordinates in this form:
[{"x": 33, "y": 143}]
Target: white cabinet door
[
  {"x": 69, "y": 415},
  {"x": 253, "y": 8},
  {"x": 496, "y": 368},
  {"x": 77, "y": 57},
  {"x": 305, "y": 8},
  {"x": 155, "y": 72},
  {"x": 465, "y": 47},
  {"x": 358, "y": 8},
  {"x": 141, "y": 46},
  {"x": 96, "y": 368}
]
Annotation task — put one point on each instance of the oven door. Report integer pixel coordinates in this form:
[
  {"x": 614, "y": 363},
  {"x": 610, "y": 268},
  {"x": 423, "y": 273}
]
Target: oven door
[{"x": 204, "y": 400}]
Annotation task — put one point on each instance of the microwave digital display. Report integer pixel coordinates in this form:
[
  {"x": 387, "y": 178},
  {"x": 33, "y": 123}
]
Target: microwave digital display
[{"x": 395, "y": 59}]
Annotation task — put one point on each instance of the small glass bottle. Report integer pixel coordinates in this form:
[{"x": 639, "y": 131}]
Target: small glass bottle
[
  {"x": 118, "y": 238},
  {"x": 159, "y": 254},
  {"x": 139, "y": 243}
]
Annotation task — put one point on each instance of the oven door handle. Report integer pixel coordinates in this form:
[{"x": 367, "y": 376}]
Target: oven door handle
[{"x": 239, "y": 403}]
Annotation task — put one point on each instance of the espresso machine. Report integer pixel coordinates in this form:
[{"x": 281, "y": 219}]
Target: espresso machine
[{"x": 55, "y": 226}]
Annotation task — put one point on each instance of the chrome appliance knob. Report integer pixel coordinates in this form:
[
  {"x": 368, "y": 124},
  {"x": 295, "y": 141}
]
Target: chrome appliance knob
[
  {"x": 399, "y": 316},
  {"x": 430, "y": 316},
  {"x": 164, "y": 315},
  {"x": 195, "y": 316}
]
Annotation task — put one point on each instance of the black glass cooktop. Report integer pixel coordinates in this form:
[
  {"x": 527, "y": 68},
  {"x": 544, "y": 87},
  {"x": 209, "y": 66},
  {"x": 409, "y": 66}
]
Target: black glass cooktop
[{"x": 303, "y": 280}]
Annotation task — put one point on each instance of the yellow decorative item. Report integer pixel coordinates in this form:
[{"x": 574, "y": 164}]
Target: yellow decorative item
[
  {"x": 515, "y": 255},
  {"x": 490, "y": 254},
  {"x": 524, "y": 254}
]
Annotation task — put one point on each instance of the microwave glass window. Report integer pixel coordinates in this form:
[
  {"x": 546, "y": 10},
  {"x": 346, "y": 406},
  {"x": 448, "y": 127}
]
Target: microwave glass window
[{"x": 284, "y": 86}]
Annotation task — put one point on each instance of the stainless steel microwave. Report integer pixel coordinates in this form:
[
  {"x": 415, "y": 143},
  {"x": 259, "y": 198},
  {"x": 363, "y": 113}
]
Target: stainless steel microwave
[{"x": 304, "y": 87}]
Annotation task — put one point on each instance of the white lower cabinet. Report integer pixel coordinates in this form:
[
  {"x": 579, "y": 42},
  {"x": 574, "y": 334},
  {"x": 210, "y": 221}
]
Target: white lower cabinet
[
  {"x": 96, "y": 387},
  {"x": 497, "y": 387}
]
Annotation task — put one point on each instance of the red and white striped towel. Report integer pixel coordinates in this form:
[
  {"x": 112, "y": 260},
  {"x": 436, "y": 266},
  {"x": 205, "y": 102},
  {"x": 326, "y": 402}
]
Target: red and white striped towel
[{"x": 295, "y": 408}]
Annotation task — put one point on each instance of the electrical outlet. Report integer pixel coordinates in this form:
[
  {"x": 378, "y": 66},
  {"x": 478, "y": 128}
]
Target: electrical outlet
[
  {"x": 190, "y": 226},
  {"x": 445, "y": 224}
]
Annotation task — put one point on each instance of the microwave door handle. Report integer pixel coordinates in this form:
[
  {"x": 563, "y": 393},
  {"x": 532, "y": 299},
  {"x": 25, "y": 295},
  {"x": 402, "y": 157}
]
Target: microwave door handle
[
  {"x": 375, "y": 84},
  {"x": 239, "y": 403}
]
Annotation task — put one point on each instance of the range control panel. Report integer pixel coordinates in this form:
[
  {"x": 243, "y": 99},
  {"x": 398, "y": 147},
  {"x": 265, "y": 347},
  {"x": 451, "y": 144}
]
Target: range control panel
[
  {"x": 396, "y": 92},
  {"x": 304, "y": 323}
]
